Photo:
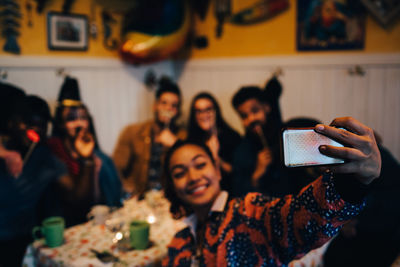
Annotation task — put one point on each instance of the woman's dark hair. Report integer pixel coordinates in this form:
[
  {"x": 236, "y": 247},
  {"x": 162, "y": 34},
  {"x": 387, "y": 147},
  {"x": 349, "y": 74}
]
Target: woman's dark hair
[
  {"x": 58, "y": 129},
  {"x": 178, "y": 208},
  {"x": 194, "y": 131},
  {"x": 10, "y": 96}
]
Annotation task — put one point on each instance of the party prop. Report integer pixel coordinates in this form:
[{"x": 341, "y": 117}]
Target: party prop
[
  {"x": 148, "y": 40},
  {"x": 34, "y": 138},
  {"x": 261, "y": 134},
  {"x": 272, "y": 92},
  {"x": 260, "y": 11}
]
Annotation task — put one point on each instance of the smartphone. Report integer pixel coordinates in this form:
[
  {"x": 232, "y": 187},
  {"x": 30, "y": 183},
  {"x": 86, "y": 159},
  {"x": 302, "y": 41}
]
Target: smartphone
[{"x": 300, "y": 148}]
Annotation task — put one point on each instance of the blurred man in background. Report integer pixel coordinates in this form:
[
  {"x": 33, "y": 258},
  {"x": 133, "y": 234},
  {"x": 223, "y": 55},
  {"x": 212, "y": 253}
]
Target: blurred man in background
[
  {"x": 27, "y": 167},
  {"x": 139, "y": 152}
]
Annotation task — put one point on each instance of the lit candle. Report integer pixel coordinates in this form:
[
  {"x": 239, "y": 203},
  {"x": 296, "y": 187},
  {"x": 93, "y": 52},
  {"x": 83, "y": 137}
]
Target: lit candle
[{"x": 151, "y": 219}]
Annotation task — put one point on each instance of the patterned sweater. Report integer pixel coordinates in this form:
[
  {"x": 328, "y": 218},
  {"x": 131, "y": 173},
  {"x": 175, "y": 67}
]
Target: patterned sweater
[{"x": 254, "y": 231}]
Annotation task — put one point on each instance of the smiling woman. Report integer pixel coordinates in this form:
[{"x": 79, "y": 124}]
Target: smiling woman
[
  {"x": 248, "y": 231},
  {"x": 207, "y": 125},
  {"x": 181, "y": 188},
  {"x": 195, "y": 177}
]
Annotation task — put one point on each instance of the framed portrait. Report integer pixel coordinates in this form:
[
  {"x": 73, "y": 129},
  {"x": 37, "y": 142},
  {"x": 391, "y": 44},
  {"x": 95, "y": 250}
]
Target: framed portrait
[
  {"x": 330, "y": 25},
  {"x": 67, "y": 31}
]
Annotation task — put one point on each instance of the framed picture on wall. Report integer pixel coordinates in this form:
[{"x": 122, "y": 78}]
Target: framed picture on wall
[
  {"x": 330, "y": 25},
  {"x": 385, "y": 11},
  {"x": 67, "y": 31}
]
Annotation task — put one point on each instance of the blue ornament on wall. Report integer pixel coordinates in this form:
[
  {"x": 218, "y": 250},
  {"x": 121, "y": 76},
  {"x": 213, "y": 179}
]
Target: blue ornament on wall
[{"x": 10, "y": 16}]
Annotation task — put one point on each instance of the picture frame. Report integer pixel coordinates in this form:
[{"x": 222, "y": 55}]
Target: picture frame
[
  {"x": 67, "y": 31},
  {"x": 385, "y": 11},
  {"x": 330, "y": 25}
]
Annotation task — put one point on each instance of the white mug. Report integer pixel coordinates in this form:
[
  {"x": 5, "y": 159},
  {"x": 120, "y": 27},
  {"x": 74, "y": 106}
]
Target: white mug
[{"x": 98, "y": 214}]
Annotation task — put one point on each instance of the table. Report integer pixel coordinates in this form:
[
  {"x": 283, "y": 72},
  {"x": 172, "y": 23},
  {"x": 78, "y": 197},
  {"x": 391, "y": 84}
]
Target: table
[{"x": 80, "y": 239}]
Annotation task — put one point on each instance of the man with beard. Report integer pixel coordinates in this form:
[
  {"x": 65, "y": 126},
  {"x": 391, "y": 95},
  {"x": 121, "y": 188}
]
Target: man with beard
[
  {"x": 139, "y": 151},
  {"x": 256, "y": 164}
]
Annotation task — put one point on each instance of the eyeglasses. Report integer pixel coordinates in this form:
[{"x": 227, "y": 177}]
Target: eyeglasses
[
  {"x": 208, "y": 110},
  {"x": 75, "y": 116}
]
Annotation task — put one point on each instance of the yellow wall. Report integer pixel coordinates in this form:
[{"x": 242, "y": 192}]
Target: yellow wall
[
  {"x": 278, "y": 36},
  {"x": 273, "y": 37},
  {"x": 33, "y": 40}
]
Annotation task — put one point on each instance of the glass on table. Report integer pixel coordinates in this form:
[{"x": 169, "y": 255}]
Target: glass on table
[
  {"x": 99, "y": 214},
  {"x": 115, "y": 225}
]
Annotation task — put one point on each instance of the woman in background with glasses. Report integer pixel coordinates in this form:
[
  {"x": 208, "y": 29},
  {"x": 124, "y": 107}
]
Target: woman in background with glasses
[{"x": 206, "y": 125}]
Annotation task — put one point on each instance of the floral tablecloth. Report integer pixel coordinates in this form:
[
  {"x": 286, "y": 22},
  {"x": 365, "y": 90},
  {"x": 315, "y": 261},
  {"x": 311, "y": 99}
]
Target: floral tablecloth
[{"x": 81, "y": 239}]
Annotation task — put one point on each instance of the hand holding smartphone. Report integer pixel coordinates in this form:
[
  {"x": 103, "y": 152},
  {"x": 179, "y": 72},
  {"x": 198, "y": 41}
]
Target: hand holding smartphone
[{"x": 301, "y": 148}]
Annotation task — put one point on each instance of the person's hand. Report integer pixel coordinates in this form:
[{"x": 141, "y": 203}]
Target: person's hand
[
  {"x": 264, "y": 159},
  {"x": 361, "y": 152},
  {"x": 84, "y": 144},
  {"x": 13, "y": 161},
  {"x": 213, "y": 145},
  {"x": 166, "y": 138}
]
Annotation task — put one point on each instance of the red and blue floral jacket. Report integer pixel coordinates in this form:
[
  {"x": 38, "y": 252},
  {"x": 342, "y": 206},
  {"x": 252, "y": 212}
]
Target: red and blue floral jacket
[{"x": 255, "y": 231}]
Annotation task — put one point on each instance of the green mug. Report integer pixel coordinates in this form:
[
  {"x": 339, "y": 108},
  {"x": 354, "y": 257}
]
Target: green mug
[
  {"x": 53, "y": 231},
  {"x": 139, "y": 234}
]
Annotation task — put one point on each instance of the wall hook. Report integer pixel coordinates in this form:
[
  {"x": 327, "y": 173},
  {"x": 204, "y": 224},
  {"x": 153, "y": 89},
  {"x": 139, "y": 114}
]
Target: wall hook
[
  {"x": 3, "y": 74},
  {"x": 278, "y": 72},
  {"x": 62, "y": 72},
  {"x": 356, "y": 70}
]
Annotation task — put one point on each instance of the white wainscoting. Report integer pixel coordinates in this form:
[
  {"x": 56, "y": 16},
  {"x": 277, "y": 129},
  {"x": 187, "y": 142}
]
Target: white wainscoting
[
  {"x": 313, "y": 86},
  {"x": 114, "y": 92}
]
